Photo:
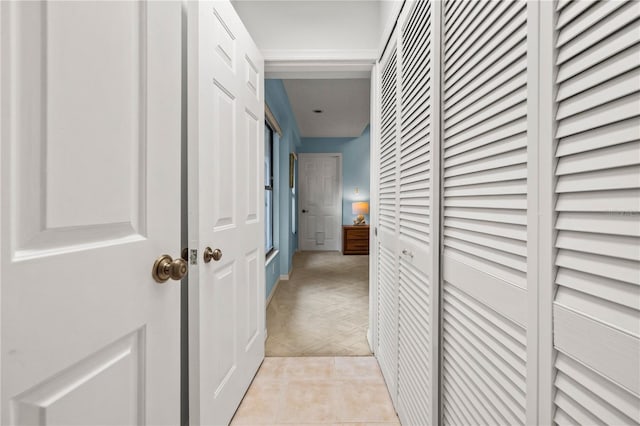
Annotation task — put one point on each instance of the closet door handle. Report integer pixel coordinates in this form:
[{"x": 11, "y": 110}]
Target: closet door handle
[{"x": 407, "y": 253}]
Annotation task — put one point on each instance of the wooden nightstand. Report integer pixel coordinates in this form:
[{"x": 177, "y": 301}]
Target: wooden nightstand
[{"x": 355, "y": 239}]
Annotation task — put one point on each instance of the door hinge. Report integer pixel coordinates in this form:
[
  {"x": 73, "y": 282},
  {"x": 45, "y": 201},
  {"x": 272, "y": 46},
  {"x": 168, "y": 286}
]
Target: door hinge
[
  {"x": 375, "y": 231},
  {"x": 193, "y": 257}
]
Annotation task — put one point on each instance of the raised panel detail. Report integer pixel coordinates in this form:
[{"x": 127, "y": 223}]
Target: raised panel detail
[
  {"x": 94, "y": 104},
  {"x": 253, "y": 77},
  {"x": 86, "y": 393},
  {"x": 224, "y": 41},
  {"x": 79, "y": 93},
  {"x": 251, "y": 154},
  {"x": 253, "y": 298},
  {"x": 223, "y": 311},
  {"x": 224, "y": 158}
]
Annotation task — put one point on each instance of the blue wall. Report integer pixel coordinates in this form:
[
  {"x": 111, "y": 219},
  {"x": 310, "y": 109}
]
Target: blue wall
[
  {"x": 355, "y": 167},
  {"x": 286, "y": 242}
]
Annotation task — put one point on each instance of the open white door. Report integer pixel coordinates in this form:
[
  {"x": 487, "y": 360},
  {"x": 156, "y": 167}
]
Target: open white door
[
  {"x": 90, "y": 189},
  {"x": 226, "y": 211},
  {"x": 320, "y": 201}
]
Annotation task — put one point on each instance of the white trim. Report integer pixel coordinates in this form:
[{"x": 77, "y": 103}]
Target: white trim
[
  {"x": 302, "y": 155},
  {"x": 545, "y": 287},
  {"x": 437, "y": 212},
  {"x": 320, "y": 55},
  {"x": 271, "y": 256},
  {"x": 287, "y": 276},
  {"x": 533, "y": 161},
  {"x": 2, "y": 202},
  {"x": 318, "y": 72},
  {"x": 271, "y": 119},
  {"x": 273, "y": 291},
  {"x": 372, "y": 333},
  {"x": 318, "y": 64}
]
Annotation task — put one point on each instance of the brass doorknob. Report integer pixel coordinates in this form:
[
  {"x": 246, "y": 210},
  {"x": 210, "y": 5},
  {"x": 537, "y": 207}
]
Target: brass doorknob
[
  {"x": 210, "y": 254},
  {"x": 165, "y": 267}
]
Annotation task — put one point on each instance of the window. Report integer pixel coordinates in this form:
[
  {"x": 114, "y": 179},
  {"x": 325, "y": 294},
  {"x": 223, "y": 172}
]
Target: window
[{"x": 268, "y": 189}]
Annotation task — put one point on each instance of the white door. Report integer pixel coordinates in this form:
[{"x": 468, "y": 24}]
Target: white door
[
  {"x": 90, "y": 186},
  {"x": 226, "y": 211},
  {"x": 320, "y": 201},
  {"x": 596, "y": 305},
  {"x": 417, "y": 213},
  {"x": 386, "y": 252},
  {"x": 486, "y": 161}
]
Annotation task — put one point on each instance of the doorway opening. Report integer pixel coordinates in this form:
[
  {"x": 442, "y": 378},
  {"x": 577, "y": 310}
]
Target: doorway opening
[{"x": 319, "y": 303}]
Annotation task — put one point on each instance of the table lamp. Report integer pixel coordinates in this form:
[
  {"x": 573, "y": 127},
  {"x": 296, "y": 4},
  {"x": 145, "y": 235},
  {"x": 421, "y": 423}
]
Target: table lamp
[{"x": 360, "y": 208}]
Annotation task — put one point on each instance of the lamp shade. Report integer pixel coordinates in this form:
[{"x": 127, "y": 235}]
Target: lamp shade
[{"x": 360, "y": 207}]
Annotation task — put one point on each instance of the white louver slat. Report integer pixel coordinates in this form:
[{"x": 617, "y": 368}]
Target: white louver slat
[
  {"x": 386, "y": 250},
  {"x": 484, "y": 370},
  {"x": 597, "y": 303},
  {"x": 415, "y": 287}
]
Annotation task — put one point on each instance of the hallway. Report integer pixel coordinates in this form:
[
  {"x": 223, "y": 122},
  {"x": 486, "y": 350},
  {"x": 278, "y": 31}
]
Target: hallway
[
  {"x": 317, "y": 390},
  {"x": 323, "y": 309}
]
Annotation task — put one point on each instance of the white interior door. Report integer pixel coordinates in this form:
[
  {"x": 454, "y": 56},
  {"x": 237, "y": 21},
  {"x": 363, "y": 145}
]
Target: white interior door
[
  {"x": 320, "y": 201},
  {"x": 418, "y": 217},
  {"x": 226, "y": 211},
  {"x": 596, "y": 308},
  {"x": 485, "y": 138},
  {"x": 90, "y": 182},
  {"x": 387, "y": 250}
]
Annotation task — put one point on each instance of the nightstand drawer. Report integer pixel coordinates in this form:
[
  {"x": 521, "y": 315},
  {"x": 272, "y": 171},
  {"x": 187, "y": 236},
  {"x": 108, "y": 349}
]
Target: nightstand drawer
[
  {"x": 357, "y": 245},
  {"x": 358, "y": 234}
]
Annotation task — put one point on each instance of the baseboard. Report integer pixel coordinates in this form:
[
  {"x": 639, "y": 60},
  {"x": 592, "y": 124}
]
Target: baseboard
[
  {"x": 273, "y": 291},
  {"x": 287, "y": 276}
]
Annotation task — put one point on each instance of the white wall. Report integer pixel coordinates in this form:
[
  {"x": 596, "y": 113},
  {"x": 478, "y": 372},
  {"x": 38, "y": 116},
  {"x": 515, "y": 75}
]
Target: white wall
[{"x": 282, "y": 27}]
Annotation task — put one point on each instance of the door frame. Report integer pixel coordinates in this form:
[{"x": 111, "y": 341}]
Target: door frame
[
  {"x": 338, "y": 155},
  {"x": 310, "y": 64}
]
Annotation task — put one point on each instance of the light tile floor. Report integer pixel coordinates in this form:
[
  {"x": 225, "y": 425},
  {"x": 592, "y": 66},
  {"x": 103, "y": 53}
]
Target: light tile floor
[
  {"x": 323, "y": 309},
  {"x": 317, "y": 390}
]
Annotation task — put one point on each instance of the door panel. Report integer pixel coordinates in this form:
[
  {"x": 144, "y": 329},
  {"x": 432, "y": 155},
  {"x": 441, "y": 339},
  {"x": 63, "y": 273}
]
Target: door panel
[
  {"x": 90, "y": 198},
  {"x": 484, "y": 305},
  {"x": 226, "y": 211},
  {"x": 321, "y": 201},
  {"x": 387, "y": 251},
  {"x": 417, "y": 289},
  {"x": 597, "y": 304}
]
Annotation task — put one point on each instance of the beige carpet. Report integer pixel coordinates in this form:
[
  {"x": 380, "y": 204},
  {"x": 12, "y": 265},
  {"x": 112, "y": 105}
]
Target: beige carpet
[{"x": 323, "y": 309}]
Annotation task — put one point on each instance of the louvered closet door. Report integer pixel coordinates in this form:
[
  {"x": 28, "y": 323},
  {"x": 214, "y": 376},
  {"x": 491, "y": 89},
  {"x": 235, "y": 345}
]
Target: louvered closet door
[
  {"x": 415, "y": 285},
  {"x": 597, "y": 304},
  {"x": 387, "y": 288},
  {"x": 485, "y": 202}
]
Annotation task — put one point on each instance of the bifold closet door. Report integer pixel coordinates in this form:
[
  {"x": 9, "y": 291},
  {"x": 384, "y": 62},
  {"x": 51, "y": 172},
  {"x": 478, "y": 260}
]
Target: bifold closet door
[
  {"x": 386, "y": 252},
  {"x": 484, "y": 310},
  {"x": 597, "y": 304},
  {"x": 417, "y": 359}
]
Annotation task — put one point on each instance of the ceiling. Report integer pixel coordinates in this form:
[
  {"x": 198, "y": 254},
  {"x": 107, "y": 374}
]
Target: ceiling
[{"x": 344, "y": 104}]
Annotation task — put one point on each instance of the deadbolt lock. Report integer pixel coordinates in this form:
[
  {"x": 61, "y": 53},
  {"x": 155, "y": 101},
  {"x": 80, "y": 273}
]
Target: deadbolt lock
[
  {"x": 209, "y": 255},
  {"x": 166, "y": 267}
]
